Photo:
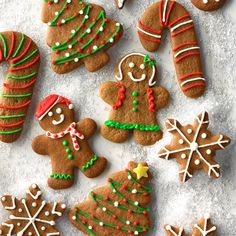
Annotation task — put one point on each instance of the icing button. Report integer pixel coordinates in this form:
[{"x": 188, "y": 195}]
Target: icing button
[
  {"x": 135, "y": 93},
  {"x": 194, "y": 146}
]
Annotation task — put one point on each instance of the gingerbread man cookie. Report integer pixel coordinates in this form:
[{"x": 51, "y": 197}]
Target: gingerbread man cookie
[
  {"x": 208, "y": 5},
  {"x": 79, "y": 33},
  {"x": 186, "y": 50},
  {"x": 134, "y": 100},
  {"x": 119, "y": 208},
  {"x": 204, "y": 227},
  {"x": 194, "y": 147},
  {"x": 66, "y": 142},
  {"x": 31, "y": 216},
  {"x": 24, "y": 60}
]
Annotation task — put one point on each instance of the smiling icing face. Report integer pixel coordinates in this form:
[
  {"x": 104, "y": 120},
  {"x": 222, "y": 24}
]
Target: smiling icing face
[
  {"x": 58, "y": 118},
  {"x": 62, "y": 116},
  {"x": 138, "y": 68}
]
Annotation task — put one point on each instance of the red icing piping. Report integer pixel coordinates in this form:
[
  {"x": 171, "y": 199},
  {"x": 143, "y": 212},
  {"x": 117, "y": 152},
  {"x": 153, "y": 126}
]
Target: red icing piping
[
  {"x": 23, "y": 53},
  {"x": 26, "y": 66},
  {"x": 121, "y": 96},
  {"x": 12, "y": 46},
  {"x": 187, "y": 55},
  {"x": 151, "y": 100}
]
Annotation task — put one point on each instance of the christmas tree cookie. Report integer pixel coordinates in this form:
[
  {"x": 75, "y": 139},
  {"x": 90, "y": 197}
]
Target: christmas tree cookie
[
  {"x": 66, "y": 142},
  {"x": 204, "y": 227},
  {"x": 194, "y": 147},
  {"x": 119, "y": 208},
  {"x": 31, "y": 216},
  {"x": 135, "y": 101},
  {"x": 79, "y": 33}
]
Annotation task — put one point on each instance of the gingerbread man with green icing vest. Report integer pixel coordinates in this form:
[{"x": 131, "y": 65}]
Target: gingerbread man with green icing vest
[
  {"x": 66, "y": 142},
  {"x": 135, "y": 100}
]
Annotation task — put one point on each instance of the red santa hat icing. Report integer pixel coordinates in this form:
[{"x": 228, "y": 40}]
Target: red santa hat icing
[{"x": 49, "y": 102}]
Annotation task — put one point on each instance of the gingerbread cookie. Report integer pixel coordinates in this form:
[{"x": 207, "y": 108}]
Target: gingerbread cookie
[
  {"x": 204, "y": 227},
  {"x": 120, "y": 3},
  {"x": 186, "y": 51},
  {"x": 79, "y": 33},
  {"x": 194, "y": 147},
  {"x": 134, "y": 100},
  {"x": 66, "y": 142},
  {"x": 119, "y": 208},
  {"x": 208, "y": 5},
  {"x": 24, "y": 59},
  {"x": 31, "y": 215}
]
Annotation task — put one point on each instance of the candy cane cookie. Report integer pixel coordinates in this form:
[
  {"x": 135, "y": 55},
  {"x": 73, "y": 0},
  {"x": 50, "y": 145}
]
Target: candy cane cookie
[
  {"x": 186, "y": 51},
  {"x": 24, "y": 59},
  {"x": 208, "y": 5}
]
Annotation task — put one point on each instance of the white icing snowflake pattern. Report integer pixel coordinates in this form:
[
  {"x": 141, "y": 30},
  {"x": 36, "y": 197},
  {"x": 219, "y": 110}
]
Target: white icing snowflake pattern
[
  {"x": 31, "y": 216},
  {"x": 203, "y": 228},
  {"x": 194, "y": 147}
]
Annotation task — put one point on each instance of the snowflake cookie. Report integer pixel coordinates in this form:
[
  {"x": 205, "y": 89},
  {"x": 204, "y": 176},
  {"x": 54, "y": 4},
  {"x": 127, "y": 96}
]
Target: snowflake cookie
[
  {"x": 31, "y": 215},
  {"x": 204, "y": 227},
  {"x": 194, "y": 147}
]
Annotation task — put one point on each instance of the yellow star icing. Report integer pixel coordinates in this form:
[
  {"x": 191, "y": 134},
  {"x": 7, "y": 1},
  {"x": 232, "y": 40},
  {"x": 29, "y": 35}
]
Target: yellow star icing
[{"x": 141, "y": 171}]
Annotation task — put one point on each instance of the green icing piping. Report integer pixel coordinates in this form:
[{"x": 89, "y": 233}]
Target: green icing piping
[
  {"x": 11, "y": 132},
  {"x": 4, "y": 45},
  {"x": 61, "y": 176},
  {"x": 90, "y": 163},
  {"x": 126, "y": 126},
  {"x": 19, "y": 47}
]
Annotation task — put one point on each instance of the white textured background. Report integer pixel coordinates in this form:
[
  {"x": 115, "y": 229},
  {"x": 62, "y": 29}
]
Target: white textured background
[{"x": 173, "y": 202}]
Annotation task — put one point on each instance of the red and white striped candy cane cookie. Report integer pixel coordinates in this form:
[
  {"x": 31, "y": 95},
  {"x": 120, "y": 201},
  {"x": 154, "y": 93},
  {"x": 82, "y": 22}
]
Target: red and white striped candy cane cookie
[
  {"x": 23, "y": 57},
  {"x": 186, "y": 51}
]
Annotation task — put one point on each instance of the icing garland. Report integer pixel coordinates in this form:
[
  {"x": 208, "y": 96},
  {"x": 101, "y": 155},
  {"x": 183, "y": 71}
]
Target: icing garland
[
  {"x": 74, "y": 38},
  {"x": 97, "y": 199},
  {"x": 90, "y": 163},
  {"x": 126, "y": 126},
  {"x": 17, "y": 60}
]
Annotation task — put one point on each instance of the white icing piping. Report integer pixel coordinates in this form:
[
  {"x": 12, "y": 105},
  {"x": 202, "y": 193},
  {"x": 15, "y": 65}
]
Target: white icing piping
[
  {"x": 185, "y": 50},
  {"x": 58, "y": 122},
  {"x": 191, "y": 80},
  {"x": 13, "y": 199},
  {"x": 180, "y": 24},
  {"x": 120, "y": 77},
  {"x": 150, "y": 34},
  {"x": 41, "y": 117}
]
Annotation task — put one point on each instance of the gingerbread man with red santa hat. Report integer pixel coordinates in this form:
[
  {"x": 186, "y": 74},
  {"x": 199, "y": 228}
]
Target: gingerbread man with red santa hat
[{"x": 65, "y": 141}]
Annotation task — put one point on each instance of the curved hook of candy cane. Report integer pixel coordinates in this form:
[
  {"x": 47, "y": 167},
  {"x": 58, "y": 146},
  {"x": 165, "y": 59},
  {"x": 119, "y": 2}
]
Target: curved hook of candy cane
[{"x": 152, "y": 81}]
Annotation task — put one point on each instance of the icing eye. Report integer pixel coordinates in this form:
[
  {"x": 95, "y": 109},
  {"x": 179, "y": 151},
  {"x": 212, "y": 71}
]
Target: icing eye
[
  {"x": 58, "y": 110},
  {"x": 142, "y": 66},
  {"x": 131, "y": 65},
  {"x": 50, "y": 113}
]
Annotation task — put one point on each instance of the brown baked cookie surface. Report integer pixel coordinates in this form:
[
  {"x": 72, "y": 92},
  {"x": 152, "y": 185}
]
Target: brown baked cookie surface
[
  {"x": 118, "y": 208},
  {"x": 186, "y": 51},
  {"x": 208, "y": 5},
  {"x": 15, "y": 97},
  {"x": 204, "y": 227},
  {"x": 78, "y": 33},
  {"x": 194, "y": 147},
  {"x": 135, "y": 100},
  {"x": 66, "y": 142},
  {"x": 31, "y": 216}
]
